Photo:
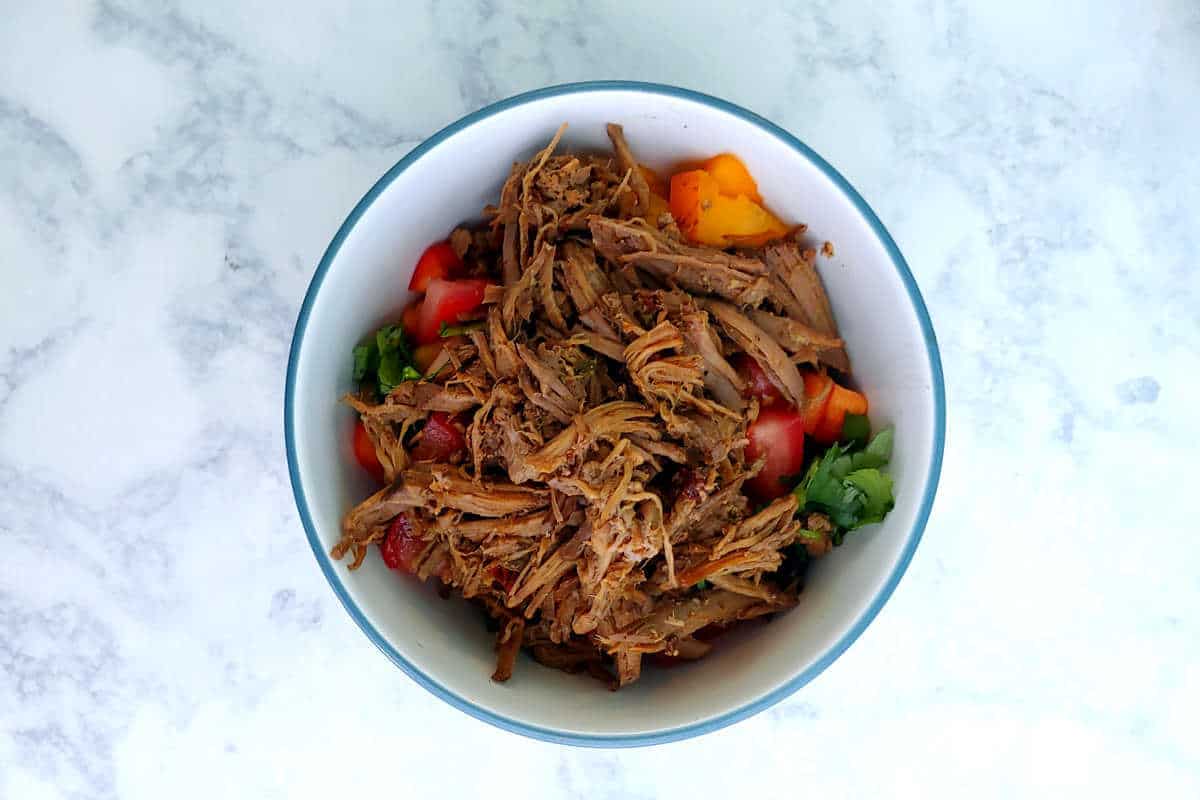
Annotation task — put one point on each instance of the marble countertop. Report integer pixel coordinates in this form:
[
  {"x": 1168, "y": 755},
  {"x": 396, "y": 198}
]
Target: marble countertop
[{"x": 169, "y": 176}]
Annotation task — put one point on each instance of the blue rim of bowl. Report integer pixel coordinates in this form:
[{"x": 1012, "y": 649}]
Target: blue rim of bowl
[{"x": 760, "y": 703}]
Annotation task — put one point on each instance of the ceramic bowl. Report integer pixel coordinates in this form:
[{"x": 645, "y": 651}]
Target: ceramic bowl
[{"x": 360, "y": 282}]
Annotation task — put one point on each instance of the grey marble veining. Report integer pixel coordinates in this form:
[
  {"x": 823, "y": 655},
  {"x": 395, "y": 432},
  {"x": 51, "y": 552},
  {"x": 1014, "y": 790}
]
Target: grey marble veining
[{"x": 169, "y": 176}]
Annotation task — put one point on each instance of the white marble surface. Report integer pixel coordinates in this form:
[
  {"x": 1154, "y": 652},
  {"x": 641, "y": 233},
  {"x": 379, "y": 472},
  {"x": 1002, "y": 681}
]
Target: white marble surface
[{"x": 169, "y": 176}]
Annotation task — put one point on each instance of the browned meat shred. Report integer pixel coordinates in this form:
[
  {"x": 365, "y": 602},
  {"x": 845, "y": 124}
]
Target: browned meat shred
[
  {"x": 605, "y": 426},
  {"x": 701, "y": 270},
  {"x": 797, "y": 289}
]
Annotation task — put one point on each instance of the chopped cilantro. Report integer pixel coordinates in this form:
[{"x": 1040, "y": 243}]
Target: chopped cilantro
[
  {"x": 362, "y": 360},
  {"x": 881, "y": 446},
  {"x": 384, "y": 360},
  {"x": 846, "y": 484},
  {"x": 874, "y": 488}
]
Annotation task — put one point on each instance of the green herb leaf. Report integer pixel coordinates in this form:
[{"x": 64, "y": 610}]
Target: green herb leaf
[
  {"x": 391, "y": 373},
  {"x": 876, "y": 454},
  {"x": 856, "y": 428},
  {"x": 393, "y": 370},
  {"x": 849, "y": 486},
  {"x": 362, "y": 361},
  {"x": 821, "y": 486},
  {"x": 841, "y": 466},
  {"x": 385, "y": 359},
  {"x": 881, "y": 445},
  {"x": 390, "y": 339},
  {"x": 875, "y": 490},
  {"x": 700, "y": 584},
  {"x": 865, "y": 460}
]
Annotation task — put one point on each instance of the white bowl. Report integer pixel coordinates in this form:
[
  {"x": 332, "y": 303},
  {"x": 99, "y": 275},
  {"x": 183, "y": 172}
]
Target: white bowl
[{"x": 442, "y": 644}]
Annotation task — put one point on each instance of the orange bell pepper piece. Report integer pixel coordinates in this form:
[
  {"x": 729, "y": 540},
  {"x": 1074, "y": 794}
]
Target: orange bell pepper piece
[
  {"x": 742, "y": 222},
  {"x": 707, "y": 216},
  {"x": 817, "y": 388},
  {"x": 842, "y": 401},
  {"x": 731, "y": 176},
  {"x": 690, "y": 191}
]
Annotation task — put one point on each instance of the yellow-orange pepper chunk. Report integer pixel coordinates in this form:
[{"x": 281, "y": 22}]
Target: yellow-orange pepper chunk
[
  {"x": 708, "y": 216},
  {"x": 731, "y": 176}
]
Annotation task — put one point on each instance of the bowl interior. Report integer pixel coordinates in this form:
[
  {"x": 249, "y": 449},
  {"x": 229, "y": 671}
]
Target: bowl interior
[{"x": 363, "y": 283}]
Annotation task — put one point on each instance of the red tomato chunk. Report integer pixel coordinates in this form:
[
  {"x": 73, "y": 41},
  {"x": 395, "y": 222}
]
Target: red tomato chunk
[
  {"x": 401, "y": 547},
  {"x": 448, "y": 302},
  {"x": 777, "y": 435},
  {"x": 439, "y": 261},
  {"x": 757, "y": 383},
  {"x": 440, "y": 440},
  {"x": 364, "y": 451}
]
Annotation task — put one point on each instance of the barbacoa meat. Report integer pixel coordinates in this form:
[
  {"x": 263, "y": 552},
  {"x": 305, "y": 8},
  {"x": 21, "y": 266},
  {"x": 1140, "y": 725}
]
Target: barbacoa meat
[{"x": 597, "y": 514}]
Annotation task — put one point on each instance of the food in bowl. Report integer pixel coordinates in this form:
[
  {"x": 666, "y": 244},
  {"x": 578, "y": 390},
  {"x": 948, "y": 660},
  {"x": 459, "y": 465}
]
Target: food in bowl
[{"x": 593, "y": 421}]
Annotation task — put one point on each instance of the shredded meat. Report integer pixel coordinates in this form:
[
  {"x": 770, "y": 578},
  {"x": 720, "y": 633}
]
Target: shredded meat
[
  {"x": 596, "y": 512},
  {"x": 805, "y": 344},
  {"x": 763, "y": 349},
  {"x": 702, "y": 270},
  {"x": 637, "y": 180},
  {"x": 797, "y": 289}
]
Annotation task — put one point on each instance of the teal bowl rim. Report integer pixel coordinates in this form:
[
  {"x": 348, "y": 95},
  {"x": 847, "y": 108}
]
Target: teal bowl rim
[{"x": 760, "y": 703}]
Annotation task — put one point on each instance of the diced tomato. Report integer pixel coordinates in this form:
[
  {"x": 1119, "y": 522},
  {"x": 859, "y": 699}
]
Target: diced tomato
[
  {"x": 449, "y": 302},
  {"x": 778, "y": 436},
  {"x": 401, "y": 547},
  {"x": 364, "y": 451},
  {"x": 441, "y": 439},
  {"x": 842, "y": 401},
  {"x": 817, "y": 388},
  {"x": 438, "y": 261},
  {"x": 410, "y": 318},
  {"x": 757, "y": 383}
]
